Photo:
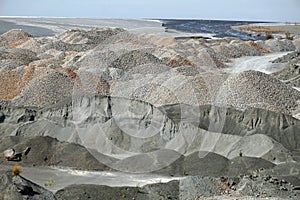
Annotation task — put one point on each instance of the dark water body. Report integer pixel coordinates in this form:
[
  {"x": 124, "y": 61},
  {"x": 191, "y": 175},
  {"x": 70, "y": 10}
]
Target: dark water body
[{"x": 218, "y": 27}]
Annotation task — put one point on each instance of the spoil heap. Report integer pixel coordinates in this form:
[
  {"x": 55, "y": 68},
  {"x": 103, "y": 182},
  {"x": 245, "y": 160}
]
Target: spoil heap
[{"x": 141, "y": 103}]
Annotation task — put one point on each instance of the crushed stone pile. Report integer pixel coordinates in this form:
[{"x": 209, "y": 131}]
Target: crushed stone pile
[
  {"x": 158, "y": 70},
  {"x": 22, "y": 55},
  {"x": 236, "y": 49},
  {"x": 256, "y": 89},
  {"x": 134, "y": 58},
  {"x": 14, "y": 37},
  {"x": 49, "y": 89},
  {"x": 274, "y": 45},
  {"x": 8, "y": 65},
  {"x": 93, "y": 36},
  {"x": 291, "y": 73}
]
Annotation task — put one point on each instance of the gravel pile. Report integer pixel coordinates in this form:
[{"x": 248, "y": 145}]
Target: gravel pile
[
  {"x": 121, "y": 36},
  {"x": 90, "y": 83},
  {"x": 103, "y": 58},
  {"x": 125, "y": 46},
  {"x": 256, "y": 89},
  {"x": 92, "y": 59},
  {"x": 140, "y": 86},
  {"x": 236, "y": 50},
  {"x": 74, "y": 36},
  {"x": 212, "y": 83},
  {"x": 22, "y": 55},
  {"x": 207, "y": 61},
  {"x": 275, "y": 45},
  {"x": 105, "y": 54},
  {"x": 291, "y": 73},
  {"x": 225, "y": 50},
  {"x": 35, "y": 44},
  {"x": 32, "y": 44},
  {"x": 14, "y": 81},
  {"x": 168, "y": 86},
  {"x": 257, "y": 47},
  {"x": 14, "y": 37},
  {"x": 50, "y": 57},
  {"x": 93, "y": 36},
  {"x": 80, "y": 40},
  {"x": 215, "y": 55},
  {"x": 8, "y": 65},
  {"x": 151, "y": 68},
  {"x": 208, "y": 57},
  {"x": 246, "y": 50},
  {"x": 49, "y": 89},
  {"x": 10, "y": 84},
  {"x": 201, "y": 89},
  {"x": 63, "y": 46},
  {"x": 144, "y": 70},
  {"x": 178, "y": 61},
  {"x": 134, "y": 58},
  {"x": 188, "y": 70},
  {"x": 293, "y": 57}
]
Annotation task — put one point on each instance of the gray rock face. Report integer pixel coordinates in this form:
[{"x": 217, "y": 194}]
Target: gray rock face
[
  {"x": 19, "y": 188},
  {"x": 242, "y": 123},
  {"x": 135, "y": 136}
]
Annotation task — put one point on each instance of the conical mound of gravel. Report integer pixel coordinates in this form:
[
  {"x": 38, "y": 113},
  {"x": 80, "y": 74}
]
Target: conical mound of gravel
[
  {"x": 46, "y": 90},
  {"x": 256, "y": 89},
  {"x": 14, "y": 37}
]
